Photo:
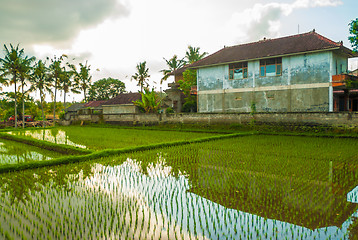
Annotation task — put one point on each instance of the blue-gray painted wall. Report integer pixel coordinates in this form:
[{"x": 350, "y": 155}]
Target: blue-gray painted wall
[{"x": 309, "y": 68}]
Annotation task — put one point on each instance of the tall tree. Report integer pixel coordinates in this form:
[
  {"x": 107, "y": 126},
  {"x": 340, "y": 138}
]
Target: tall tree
[
  {"x": 10, "y": 66},
  {"x": 66, "y": 84},
  {"x": 173, "y": 64},
  {"x": 193, "y": 54},
  {"x": 56, "y": 71},
  {"x": 353, "y": 30},
  {"x": 24, "y": 75},
  {"x": 40, "y": 81},
  {"x": 82, "y": 77},
  {"x": 141, "y": 76},
  {"x": 105, "y": 89}
]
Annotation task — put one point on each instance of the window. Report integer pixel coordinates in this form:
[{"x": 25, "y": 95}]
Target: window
[
  {"x": 238, "y": 70},
  {"x": 271, "y": 67}
]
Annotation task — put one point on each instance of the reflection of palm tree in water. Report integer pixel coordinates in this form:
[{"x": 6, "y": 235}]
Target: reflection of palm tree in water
[{"x": 54, "y": 132}]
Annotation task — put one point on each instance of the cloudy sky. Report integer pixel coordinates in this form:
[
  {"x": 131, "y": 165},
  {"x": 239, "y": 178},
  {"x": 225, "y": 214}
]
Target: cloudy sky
[{"x": 115, "y": 35}]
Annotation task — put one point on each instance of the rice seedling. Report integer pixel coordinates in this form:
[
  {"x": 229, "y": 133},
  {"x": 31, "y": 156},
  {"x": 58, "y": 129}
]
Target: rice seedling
[
  {"x": 265, "y": 187},
  {"x": 106, "y": 138}
]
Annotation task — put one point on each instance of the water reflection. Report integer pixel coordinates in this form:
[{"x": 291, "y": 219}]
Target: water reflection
[
  {"x": 124, "y": 201},
  {"x": 53, "y": 135},
  {"x": 14, "y": 152}
]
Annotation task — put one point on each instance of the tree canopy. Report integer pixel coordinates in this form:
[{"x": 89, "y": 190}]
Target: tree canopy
[
  {"x": 105, "y": 89},
  {"x": 173, "y": 64},
  {"x": 193, "y": 54},
  {"x": 353, "y": 31},
  {"x": 142, "y": 75}
]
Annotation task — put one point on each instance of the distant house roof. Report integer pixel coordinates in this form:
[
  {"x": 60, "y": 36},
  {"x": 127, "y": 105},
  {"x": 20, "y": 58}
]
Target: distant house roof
[
  {"x": 75, "y": 107},
  {"x": 95, "y": 104},
  {"x": 354, "y": 72},
  {"x": 301, "y": 43},
  {"x": 124, "y": 98}
]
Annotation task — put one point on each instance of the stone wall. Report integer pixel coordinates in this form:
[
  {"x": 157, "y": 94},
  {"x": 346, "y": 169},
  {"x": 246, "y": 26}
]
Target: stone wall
[{"x": 312, "y": 118}]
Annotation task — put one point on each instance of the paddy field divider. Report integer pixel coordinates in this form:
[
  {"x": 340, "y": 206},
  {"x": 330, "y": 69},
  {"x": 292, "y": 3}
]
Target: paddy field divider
[{"x": 90, "y": 154}]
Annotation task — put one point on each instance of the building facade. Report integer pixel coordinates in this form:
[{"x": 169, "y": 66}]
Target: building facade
[{"x": 290, "y": 74}]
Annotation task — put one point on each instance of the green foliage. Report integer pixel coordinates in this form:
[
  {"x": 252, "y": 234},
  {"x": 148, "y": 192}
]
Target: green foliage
[
  {"x": 173, "y": 64},
  {"x": 61, "y": 115},
  {"x": 353, "y": 38},
  {"x": 193, "y": 54},
  {"x": 150, "y": 102},
  {"x": 189, "y": 80},
  {"x": 82, "y": 77},
  {"x": 190, "y": 105},
  {"x": 142, "y": 75},
  {"x": 169, "y": 110},
  {"x": 105, "y": 89}
]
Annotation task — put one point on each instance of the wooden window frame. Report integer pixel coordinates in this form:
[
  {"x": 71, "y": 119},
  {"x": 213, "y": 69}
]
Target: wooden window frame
[
  {"x": 235, "y": 66},
  {"x": 277, "y": 63}
]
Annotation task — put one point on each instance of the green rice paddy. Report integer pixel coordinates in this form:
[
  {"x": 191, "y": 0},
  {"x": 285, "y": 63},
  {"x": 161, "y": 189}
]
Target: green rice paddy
[
  {"x": 15, "y": 153},
  {"x": 107, "y": 138},
  {"x": 247, "y": 187}
]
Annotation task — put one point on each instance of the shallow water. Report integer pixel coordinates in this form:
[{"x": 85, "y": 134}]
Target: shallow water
[
  {"x": 121, "y": 201},
  {"x": 13, "y": 152},
  {"x": 194, "y": 191},
  {"x": 57, "y": 136}
]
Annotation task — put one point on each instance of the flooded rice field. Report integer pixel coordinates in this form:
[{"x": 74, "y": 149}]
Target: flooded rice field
[
  {"x": 98, "y": 138},
  {"x": 55, "y": 135},
  {"x": 14, "y": 152},
  {"x": 257, "y": 187}
]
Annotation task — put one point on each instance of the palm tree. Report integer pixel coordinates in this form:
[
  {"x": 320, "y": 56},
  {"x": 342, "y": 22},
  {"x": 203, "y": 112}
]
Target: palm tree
[
  {"x": 141, "y": 75},
  {"x": 24, "y": 73},
  {"x": 56, "y": 71},
  {"x": 3, "y": 81},
  {"x": 82, "y": 77},
  {"x": 40, "y": 81},
  {"x": 66, "y": 84},
  {"x": 173, "y": 64},
  {"x": 192, "y": 54},
  {"x": 11, "y": 67}
]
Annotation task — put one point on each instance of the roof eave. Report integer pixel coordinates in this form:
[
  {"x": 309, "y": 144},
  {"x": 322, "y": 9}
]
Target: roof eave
[{"x": 273, "y": 56}]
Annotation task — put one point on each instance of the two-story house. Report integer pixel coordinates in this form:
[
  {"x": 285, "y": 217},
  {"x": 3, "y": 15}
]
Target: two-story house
[{"x": 288, "y": 74}]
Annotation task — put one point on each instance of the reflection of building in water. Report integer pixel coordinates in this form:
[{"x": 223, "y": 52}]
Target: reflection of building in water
[{"x": 299, "y": 200}]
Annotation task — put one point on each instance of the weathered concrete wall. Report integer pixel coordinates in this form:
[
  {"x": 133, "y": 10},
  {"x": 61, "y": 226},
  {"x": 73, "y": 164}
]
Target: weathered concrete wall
[
  {"x": 119, "y": 108},
  {"x": 303, "y": 86},
  {"x": 319, "y": 118},
  {"x": 290, "y": 99}
]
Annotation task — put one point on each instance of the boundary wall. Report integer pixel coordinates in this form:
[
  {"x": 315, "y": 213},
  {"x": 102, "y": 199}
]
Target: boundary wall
[{"x": 348, "y": 119}]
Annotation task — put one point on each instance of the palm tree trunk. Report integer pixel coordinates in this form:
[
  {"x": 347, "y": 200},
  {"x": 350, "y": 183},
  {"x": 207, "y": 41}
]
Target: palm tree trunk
[
  {"x": 23, "y": 105},
  {"x": 42, "y": 109},
  {"x": 54, "y": 106},
  {"x": 14, "y": 79},
  {"x": 64, "y": 99}
]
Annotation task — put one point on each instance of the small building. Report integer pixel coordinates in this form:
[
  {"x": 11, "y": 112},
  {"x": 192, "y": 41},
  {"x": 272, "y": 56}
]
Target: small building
[
  {"x": 288, "y": 74},
  {"x": 72, "y": 110},
  {"x": 123, "y": 103}
]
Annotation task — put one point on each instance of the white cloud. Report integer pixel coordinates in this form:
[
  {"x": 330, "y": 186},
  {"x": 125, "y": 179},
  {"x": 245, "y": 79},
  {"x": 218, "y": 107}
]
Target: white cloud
[
  {"x": 263, "y": 20},
  {"x": 53, "y": 22}
]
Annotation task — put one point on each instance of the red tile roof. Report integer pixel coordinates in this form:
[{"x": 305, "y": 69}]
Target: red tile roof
[
  {"x": 95, "y": 103},
  {"x": 124, "y": 98},
  {"x": 301, "y": 43}
]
